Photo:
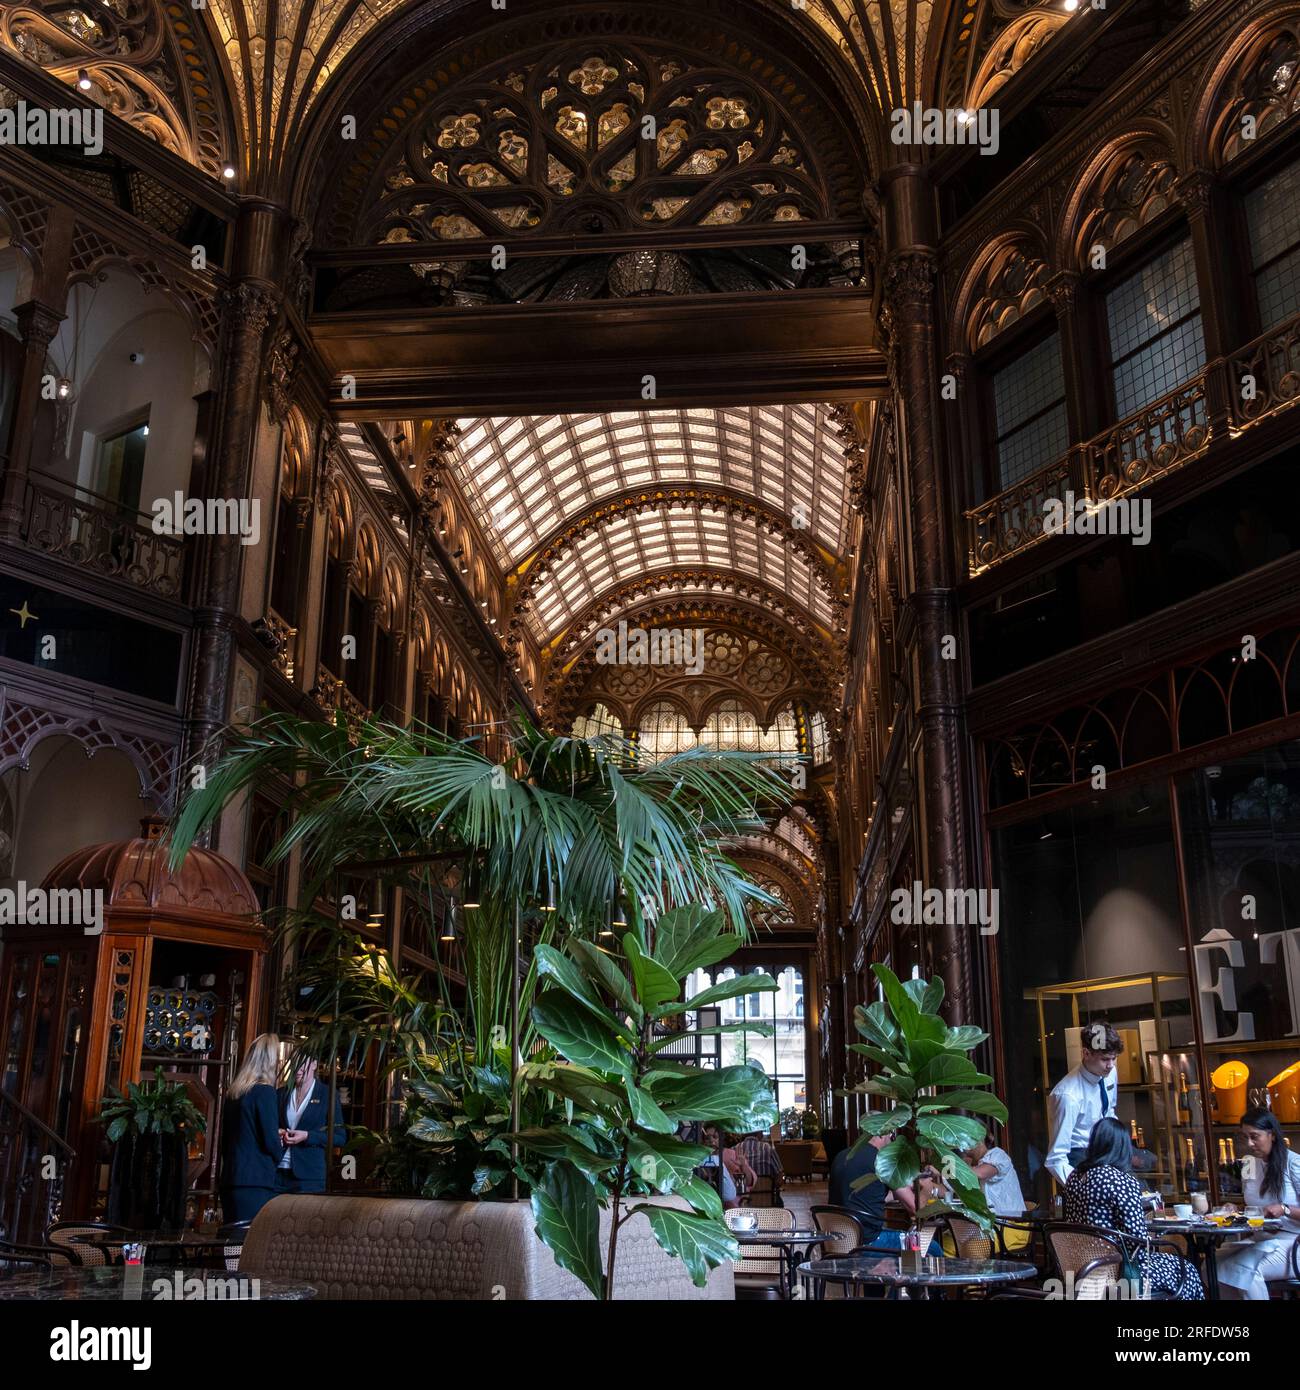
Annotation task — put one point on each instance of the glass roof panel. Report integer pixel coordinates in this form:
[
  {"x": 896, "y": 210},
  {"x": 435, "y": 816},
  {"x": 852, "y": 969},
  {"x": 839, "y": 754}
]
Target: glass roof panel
[{"x": 526, "y": 476}]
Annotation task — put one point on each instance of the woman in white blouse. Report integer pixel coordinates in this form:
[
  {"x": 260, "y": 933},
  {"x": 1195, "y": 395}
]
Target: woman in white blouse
[{"x": 1270, "y": 1183}]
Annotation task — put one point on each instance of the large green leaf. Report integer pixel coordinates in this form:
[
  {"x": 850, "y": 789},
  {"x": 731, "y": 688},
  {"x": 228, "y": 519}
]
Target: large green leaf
[
  {"x": 579, "y": 1037},
  {"x": 702, "y": 1195},
  {"x": 951, "y": 1069},
  {"x": 932, "y": 996},
  {"x": 691, "y": 938},
  {"x": 646, "y": 1112},
  {"x": 965, "y": 1037},
  {"x": 569, "y": 1143},
  {"x": 874, "y": 1023},
  {"x": 577, "y": 1084},
  {"x": 898, "y": 1163},
  {"x": 981, "y": 1102},
  {"x": 877, "y": 1054},
  {"x": 955, "y": 1131},
  {"x": 551, "y": 965},
  {"x": 882, "y": 1121},
  {"x": 725, "y": 989},
  {"x": 567, "y": 1213},
  {"x": 762, "y": 1030},
  {"x": 602, "y": 969},
  {"x": 700, "y": 1242},
  {"x": 901, "y": 1004},
  {"x": 738, "y": 1097},
  {"x": 655, "y": 987},
  {"x": 662, "y": 1161}
]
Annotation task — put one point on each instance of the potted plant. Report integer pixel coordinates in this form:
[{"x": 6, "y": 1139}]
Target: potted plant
[
  {"x": 562, "y": 823},
  {"x": 149, "y": 1127},
  {"x": 926, "y": 1078},
  {"x": 610, "y": 1019}
]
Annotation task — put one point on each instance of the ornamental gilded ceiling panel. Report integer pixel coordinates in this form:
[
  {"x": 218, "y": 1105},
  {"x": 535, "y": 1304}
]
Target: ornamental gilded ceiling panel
[{"x": 148, "y": 63}]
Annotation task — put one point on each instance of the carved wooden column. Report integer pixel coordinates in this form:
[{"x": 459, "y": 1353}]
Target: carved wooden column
[
  {"x": 1221, "y": 313},
  {"x": 909, "y": 310},
  {"x": 250, "y": 306},
  {"x": 38, "y": 324}
]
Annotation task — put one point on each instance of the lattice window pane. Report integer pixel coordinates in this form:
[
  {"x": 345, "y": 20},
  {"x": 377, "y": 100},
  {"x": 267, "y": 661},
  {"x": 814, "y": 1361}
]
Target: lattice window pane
[
  {"x": 1273, "y": 223},
  {"x": 1029, "y": 407},
  {"x": 1156, "y": 342}
]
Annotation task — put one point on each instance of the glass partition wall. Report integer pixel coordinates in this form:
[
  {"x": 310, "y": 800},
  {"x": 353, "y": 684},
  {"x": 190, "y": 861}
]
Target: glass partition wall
[{"x": 1170, "y": 908}]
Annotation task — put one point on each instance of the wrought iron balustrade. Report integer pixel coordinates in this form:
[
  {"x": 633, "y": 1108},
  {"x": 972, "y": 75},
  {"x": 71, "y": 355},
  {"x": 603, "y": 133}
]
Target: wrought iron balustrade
[
  {"x": 1014, "y": 518},
  {"x": 33, "y": 1169},
  {"x": 1152, "y": 441},
  {"x": 331, "y": 694},
  {"x": 1264, "y": 376},
  {"x": 1159, "y": 437},
  {"x": 100, "y": 535}
]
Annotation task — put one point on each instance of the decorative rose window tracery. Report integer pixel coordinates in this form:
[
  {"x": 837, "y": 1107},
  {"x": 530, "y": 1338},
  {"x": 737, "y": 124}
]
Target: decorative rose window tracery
[
  {"x": 590, "y": 138},
  {"x": 1268, "y": 92}
]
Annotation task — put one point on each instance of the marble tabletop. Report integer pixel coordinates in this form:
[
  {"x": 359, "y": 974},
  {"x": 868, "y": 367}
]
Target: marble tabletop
[{"x": 889, "y": 1269}]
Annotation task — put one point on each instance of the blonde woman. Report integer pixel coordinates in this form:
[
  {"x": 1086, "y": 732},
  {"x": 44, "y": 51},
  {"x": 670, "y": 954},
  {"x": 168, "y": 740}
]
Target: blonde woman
[{"x": 251, "y": 1147}]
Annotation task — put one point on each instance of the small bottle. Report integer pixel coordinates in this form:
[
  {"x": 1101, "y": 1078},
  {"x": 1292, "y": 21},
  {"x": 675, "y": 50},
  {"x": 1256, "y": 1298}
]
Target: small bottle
[{"x": 1133, "y": 1130}]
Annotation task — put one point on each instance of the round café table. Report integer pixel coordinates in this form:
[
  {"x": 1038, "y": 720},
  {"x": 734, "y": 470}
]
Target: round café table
[
  {"x": 794, "y": 1246},
  {"x": 934, "y": 1271},
  {"x": 180, "y": 1247},
  {"x": 1205, "y": 1236},
  {"x": 107, "y": 1284}
]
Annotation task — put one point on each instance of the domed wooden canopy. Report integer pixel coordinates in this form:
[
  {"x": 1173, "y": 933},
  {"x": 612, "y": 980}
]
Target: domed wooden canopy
[{"x": 136, "y": 879}]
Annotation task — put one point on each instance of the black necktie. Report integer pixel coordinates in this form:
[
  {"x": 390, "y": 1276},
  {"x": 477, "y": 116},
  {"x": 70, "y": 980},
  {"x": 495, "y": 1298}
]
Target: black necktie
[{"x": 1105, "y": 1096}]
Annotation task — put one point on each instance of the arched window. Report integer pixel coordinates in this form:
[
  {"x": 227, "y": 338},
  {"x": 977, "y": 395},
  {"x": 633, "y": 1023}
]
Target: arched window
[
  {"x": 664, "y": 729},
  {"x": 819, "y": 737},
  {"x": 598, "y": 722}
]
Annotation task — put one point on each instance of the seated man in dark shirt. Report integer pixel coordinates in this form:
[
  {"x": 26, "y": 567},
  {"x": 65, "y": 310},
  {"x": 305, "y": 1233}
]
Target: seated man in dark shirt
[{"x": 867, "y": 1202}]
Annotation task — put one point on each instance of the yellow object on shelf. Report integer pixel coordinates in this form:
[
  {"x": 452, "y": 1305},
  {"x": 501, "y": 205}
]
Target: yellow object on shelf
[
  {"x": 1229, "y": 1082},
  {"x": 1284, "y": 1091}
]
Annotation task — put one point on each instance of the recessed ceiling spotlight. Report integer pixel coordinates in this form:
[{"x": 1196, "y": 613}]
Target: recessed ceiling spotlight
[
  {"x": 83, "y": 79},
  {"x": 228, "y": 172}
]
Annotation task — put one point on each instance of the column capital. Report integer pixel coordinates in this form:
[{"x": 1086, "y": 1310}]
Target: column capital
[
  {"x": 38, "y": 323},
  {"x": 1195, "y": 190},
  {"x": 1063, "y": 290},
  {"x": 251, "y": 306},
  {"x": 909, "y": 278}
]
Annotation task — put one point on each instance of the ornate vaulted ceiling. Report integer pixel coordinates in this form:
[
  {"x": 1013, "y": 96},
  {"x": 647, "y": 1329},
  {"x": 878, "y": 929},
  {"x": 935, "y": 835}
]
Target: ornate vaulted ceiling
[{"x": 265, "y": 83}]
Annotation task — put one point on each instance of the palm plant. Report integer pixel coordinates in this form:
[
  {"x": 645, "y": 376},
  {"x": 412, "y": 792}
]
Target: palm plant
[
  {"x": 564, "y": 821},
  {"x": 567, "y": 823}
]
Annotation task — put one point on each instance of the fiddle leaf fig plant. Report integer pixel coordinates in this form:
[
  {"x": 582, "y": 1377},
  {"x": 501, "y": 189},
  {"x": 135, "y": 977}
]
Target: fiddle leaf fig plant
[
  {"x": 927, "y": 1078},
  {"x": 612, "y": 1018}
]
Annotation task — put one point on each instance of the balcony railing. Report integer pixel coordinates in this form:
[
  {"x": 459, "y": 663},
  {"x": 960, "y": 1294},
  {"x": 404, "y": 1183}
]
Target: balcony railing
[
  {"x": 331, "y": 694},
  {"x": 1154, "y": 440},
  {"x": 100, "y": 535},
  {"x": 1265, "y": 375},
  {"x": 1257, "y": 381}
]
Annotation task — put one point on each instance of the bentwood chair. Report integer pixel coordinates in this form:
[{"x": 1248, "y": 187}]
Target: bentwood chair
[
  {"x": 233, "y": 1233},
  {"x": 1093, "y": 1258},
  {"x": 761, "y": 1268},
  {"x": 24, "y": 1259},
  {"x": 64, "y": 1235}
]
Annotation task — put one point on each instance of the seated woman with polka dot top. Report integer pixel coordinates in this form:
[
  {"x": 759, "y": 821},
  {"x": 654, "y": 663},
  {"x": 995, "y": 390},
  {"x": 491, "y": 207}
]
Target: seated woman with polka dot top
[{"x": 1102, "y": 1191}]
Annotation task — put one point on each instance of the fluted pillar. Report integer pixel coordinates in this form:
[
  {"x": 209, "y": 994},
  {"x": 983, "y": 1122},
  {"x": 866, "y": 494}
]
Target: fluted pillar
[
  {"x": 911, "y": 271},
  {"x": 37, "y": 323},
  {"x": 251, "y": 304}
]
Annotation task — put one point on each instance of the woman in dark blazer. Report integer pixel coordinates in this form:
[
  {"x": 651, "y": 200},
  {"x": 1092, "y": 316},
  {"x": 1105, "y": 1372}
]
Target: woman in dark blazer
[
  {"x": 303, "y": 1107},
  {"x": 251, "y": 1147}
]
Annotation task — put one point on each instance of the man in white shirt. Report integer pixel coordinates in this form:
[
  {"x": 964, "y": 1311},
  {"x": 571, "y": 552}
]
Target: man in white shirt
[{"x": 1083, "y": 1097}]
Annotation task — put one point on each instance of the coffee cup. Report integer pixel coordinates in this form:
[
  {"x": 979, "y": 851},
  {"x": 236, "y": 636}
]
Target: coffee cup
[
  {"x": 1183, "y": 1211},
  {"x": 1200, "y": 1203}
]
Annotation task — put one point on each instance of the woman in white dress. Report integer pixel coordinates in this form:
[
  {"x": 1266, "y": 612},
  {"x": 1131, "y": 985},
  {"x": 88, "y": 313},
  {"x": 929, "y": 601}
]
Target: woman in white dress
[{"x": 1270, "y": 1182}]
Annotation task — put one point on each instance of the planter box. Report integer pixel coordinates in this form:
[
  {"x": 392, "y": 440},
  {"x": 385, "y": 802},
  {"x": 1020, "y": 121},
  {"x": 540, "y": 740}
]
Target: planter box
[{"x": 399, "y": 1248}]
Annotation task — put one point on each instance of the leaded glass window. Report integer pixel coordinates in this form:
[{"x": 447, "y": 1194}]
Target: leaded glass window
[
  {"x": 1029, "y": 408},
  {"x": 1154, "y": 322},
  {"x": 1273, "y": 224}
]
